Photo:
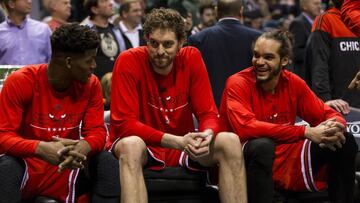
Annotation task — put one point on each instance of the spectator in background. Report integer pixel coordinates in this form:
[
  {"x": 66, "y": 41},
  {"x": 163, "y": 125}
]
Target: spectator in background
[
  {"x": 156, "y": 4},
  {"x": 78, "y": 13},
  {"x": 333, "y": 59},
  {"x": 131, "y": 14},
  {"x": 23, "y": 40},
  {"x": 350, "y": 12},
  {"x": 285, "y": 21},
  {"x": 258, "y": 5},
  {"x": 106, "y": 89},
  {"x": 253, "y": 19},
  {"x": 271, "y": 25},
  {"x": 189, "y": 23},
  {"x": 185, "y": 13},
  {"x": 60, "y": 11},
  {"x": 207, "y": 17},
  {"x": 111, "y": 40},
  {"x": 116, "y": 7},
  {"x": 301, "y": 29},
  {"x": 2, "y": 14},
  {"x": 115, "y": 19},
  {"x": 261, "y": 103},
  {"x": 226, "y": 46},
  {"x": 287, "y": 7},
  {"x": 191, "y": 6}
]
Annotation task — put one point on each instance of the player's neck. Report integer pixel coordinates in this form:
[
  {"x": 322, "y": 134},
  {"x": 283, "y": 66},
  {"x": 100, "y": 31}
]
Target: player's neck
[
  {"x": 270, "y": 86},
  {"x": 163, "y": 71},
  {"x": 58, "y": 78}
]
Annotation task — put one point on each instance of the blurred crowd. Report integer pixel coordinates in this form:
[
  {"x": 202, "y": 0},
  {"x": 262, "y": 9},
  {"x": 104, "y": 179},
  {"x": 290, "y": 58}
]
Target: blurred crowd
[
  {"x": 127, "y": 16},
  {"x": 119, "y": 24},
  {"x": 258, "y": 14}
]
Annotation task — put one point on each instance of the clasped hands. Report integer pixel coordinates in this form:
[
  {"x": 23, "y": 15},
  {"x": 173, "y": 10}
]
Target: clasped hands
[
  {"x": 355, "y": 83},
  {"x": 197, "y": 144},
  {"x": 66, "y": 153},
  {"x": 328, "y": 134}
]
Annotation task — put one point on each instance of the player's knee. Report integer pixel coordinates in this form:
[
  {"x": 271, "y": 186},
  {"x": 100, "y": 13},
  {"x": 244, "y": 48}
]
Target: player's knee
[
  {"x": 12, "y": 165},
  {"x": 261, "y": 146},
  {"x": 350, "y": 145},
  {"x": 11, "y": 175},
  {"x": 229, "y": 143},
  {"x": 131, "y": 148},
  {"x": 260, "y": 151}
]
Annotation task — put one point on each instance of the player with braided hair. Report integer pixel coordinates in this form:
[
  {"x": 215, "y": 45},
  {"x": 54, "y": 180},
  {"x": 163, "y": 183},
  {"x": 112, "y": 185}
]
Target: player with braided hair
[{"x": 260, "y": 104}]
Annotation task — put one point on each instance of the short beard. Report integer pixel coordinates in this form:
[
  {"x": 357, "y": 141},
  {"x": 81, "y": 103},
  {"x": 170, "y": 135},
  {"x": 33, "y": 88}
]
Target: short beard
[
  {"x": 153, "y": 63},
  {"x": 272, "y": 75}
]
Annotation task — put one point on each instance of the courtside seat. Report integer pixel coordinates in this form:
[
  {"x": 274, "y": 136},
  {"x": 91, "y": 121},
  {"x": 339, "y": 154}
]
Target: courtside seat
[
  {"x": 41, "y": 199},
  {"x": 168, "y": 185},
  {"x": 174, "y": 179},
  {"x": 301, "y": 197},
  {"x": 45, "y": 200},
  {"x": 357, "y": 187}
]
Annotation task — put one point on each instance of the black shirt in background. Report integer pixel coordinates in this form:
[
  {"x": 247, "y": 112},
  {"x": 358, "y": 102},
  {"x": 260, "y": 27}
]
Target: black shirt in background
[{"x": 107, "y": 52}]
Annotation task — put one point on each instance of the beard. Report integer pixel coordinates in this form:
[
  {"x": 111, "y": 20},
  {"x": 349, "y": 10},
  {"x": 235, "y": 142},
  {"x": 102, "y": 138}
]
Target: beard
[
  {"x": 273, "y": 73},
  {"x": 161, "y": 62}
]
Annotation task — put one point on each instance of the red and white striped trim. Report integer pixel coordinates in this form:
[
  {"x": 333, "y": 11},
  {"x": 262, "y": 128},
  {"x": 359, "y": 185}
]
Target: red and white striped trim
[
  {"x": 306, "y": 167},
  {"x": 25, "y": 176},
  {"x": 72, "y": 180},
  {"x": 113, "y": 145},
  {"x": 156, "y": 159}
]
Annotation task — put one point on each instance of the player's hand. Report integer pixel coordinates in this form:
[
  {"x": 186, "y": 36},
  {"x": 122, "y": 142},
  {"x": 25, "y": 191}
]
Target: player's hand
[
  {"x": 48, "y": 151},
  {"x": 333, "y": 127},
  {"x": 334, "y": 135},
  {"x": 69, "y": 144},
  {"x": 315, "y": 134},
  {"x": 332, "y": 142},
  {"x": 355, "y": 83},
  {"x": 199, "y": 144},
  {"x": 339, "y": 105},
  {"x": 329, "y": 134},
  {"x": 332, "y": 122},
  {"x": 75, "y": 157}
]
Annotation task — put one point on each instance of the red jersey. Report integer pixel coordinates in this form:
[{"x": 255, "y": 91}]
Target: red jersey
[
  {"x": 350, "y": 11},
  {"x": 253, "y": 113},
  {"x": 32, "y": 111},
  {"x": 146, "y": 104},
  {"x": 250, "y": 112}
]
